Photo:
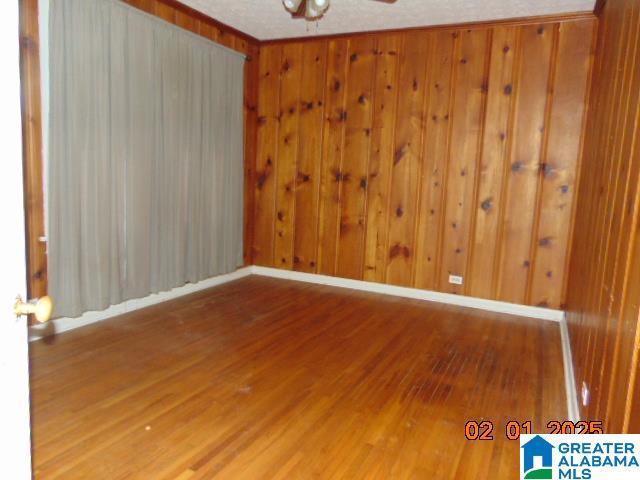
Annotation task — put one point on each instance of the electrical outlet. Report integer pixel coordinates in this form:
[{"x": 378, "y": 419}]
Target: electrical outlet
[
  {"x": 455, "y": 279},
  {"x": 585, "y": 394}
]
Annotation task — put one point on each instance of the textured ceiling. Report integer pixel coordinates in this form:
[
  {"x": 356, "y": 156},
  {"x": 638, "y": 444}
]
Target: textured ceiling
[{"x": 267, "y": 19}]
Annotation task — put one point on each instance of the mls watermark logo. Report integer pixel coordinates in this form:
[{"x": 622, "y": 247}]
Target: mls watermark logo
[
  {"x": 537, "y": 458},
  {"x": 580, "y": 457}
]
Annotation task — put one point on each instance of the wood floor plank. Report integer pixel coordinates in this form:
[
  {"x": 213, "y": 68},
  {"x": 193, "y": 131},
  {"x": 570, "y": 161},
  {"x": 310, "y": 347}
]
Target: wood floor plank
[{"x": 266, "y": 378}]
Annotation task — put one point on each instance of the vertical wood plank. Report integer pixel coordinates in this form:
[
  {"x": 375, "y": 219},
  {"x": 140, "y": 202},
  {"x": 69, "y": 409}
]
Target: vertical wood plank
[
  {"x": 559, "y": 167},
  {"x": 357, "y": 142},
  {"x": 251, "y": 79},
  {"x": 288, "y": 138},
  {"x": 407, "y": 159},
  {"x": 466, "y": 130},
  {"x": 520, "y": 200},
  {"x": 333, "y": 142},
  {"x": 268, "y": 123},
  {"x": 314, "y": 57},
  {"x": 495, "y": 149},
  {"x": 32, "y": 148},
  {"x": 385, "y": 97},
  {"x": 435, "y": 158}
]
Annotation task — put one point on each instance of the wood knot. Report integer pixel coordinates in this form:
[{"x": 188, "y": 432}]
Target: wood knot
[
  {"x": 517, "y": 167},
  {"x": 487, "y": 204},
  {"x": 281, "y": 215},
  {"x": 261, "y": 180},
  {"x": 397, "y": 250},
  {"x": 362, "y": 99},
  {"x": 508, "y": 89},
  {"x": 304, "y": 177},
  {"x": 400, "y": 153},
  {"x": 354, "y": 57},
  {"x": 547, "y": 169},
  {"x": 399, "y": 211},
  {"x": 363, "y": 183},
  {"x": 545, "y": 242}
]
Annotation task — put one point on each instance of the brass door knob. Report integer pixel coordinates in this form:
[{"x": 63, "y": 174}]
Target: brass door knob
[{"x": 41, "y": 308}]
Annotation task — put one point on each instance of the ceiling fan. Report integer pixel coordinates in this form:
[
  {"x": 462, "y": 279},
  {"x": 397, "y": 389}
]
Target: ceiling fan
[{"x": 312, "y": 9}]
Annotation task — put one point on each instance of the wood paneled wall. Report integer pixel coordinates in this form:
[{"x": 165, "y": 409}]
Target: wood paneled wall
[
  {"x": 604, "y": 277},
  {"x": 169, "y": 10},
  {"x": 404, "y": 157}
]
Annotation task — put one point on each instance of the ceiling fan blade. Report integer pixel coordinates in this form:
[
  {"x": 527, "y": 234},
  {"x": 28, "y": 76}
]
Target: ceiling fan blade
[{"x": 300, "y": 13}]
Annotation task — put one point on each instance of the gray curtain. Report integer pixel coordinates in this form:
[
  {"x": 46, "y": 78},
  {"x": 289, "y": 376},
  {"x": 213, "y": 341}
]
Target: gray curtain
[{"x": 145, "y": 185}]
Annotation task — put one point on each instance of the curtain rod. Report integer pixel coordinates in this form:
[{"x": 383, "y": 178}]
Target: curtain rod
[{"x": 180, "y": 29}]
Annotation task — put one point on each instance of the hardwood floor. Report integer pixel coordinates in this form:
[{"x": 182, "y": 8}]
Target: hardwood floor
[{"x": 265, "y": 378}]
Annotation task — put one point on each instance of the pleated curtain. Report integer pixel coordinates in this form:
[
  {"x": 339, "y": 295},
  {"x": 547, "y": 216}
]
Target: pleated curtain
[{"x": 145, "y": 184}]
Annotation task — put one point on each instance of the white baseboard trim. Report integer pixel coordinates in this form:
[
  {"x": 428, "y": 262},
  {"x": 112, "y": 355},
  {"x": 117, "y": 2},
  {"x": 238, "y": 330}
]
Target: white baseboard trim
[
  {"x": 431, "y": 296},
  {"x": 573, "y": 409},
  {"x": 65, "y": 324}
]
